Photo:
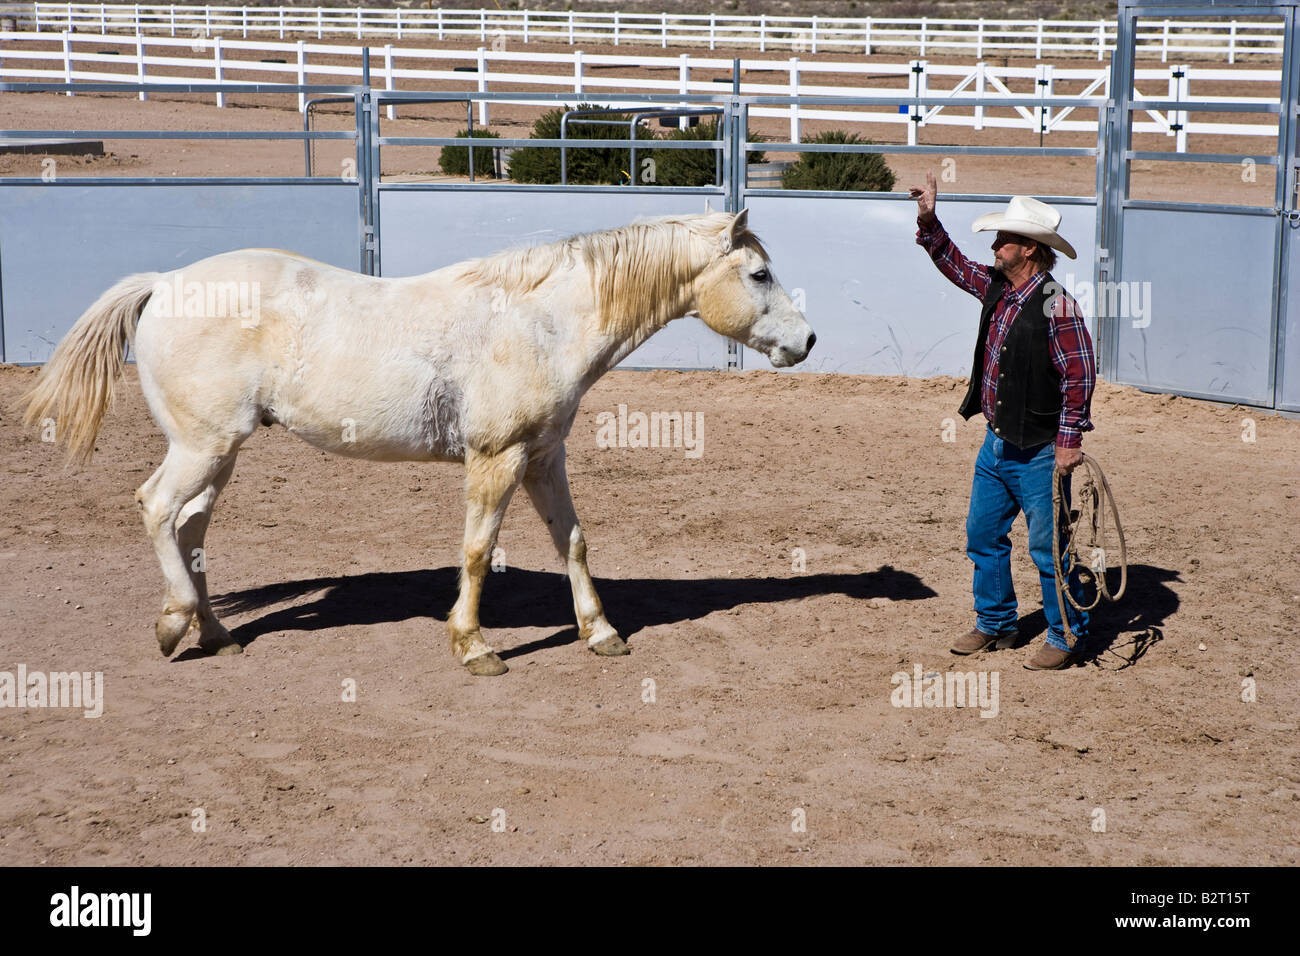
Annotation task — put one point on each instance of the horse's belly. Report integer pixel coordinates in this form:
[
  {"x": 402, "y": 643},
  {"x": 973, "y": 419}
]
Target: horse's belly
[{"x": 380, "y": 414}]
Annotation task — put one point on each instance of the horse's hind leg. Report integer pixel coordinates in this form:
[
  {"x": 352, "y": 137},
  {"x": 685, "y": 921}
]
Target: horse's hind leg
[
  {"x": 490, "y": 480},
  {"x": 183, "y": 475},
  {"x": 191, "y": 527},
  {"x": 547, "y": 485}
]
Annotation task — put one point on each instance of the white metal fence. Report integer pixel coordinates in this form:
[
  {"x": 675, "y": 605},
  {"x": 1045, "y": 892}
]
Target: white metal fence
[
  {"x": 1226, "y": 38},
  {"x": 80, "y": 57}
]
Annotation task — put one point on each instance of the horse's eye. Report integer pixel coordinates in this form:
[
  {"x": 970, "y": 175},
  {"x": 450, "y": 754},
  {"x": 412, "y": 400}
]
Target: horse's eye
[{"x": 760, "y": 276}]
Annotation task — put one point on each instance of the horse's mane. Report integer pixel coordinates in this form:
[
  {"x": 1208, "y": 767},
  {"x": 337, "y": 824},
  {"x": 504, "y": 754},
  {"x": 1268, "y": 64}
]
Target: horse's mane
[{"x": 640, "y": 272}]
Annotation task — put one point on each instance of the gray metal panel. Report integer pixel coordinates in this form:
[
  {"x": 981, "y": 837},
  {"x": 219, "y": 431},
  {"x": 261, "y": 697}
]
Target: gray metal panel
[
  {"x": 876, "y": 301},
  {"x": 62, "y": 245},
  {"x": 1289, "y": 360},
  {"x": 1210, "y": 288},
  {"x": 423, "y": 231}
]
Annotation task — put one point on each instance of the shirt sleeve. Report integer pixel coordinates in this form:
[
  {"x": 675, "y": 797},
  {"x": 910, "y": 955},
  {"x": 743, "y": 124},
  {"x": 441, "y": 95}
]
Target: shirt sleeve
[
  {"x": 964, "y": 273},
  {"x": 1072, "y": 355}
]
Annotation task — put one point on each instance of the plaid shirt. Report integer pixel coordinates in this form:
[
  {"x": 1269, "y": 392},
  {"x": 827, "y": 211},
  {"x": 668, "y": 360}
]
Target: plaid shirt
[{"x": 1068, "y": 339}]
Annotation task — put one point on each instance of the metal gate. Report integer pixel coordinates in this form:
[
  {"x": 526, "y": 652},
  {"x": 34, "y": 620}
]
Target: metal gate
[{"x": 1192, "y": 297}]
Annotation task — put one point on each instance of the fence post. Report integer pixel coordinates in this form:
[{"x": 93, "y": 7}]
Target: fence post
[
  {"x": 482, "y": 86},
  {"x": 440, "y": 23},
  {"x": 794, "y": 107},
  {"x": 570, "y": 27},
  {"x": 525, "y": 26},
  {"x": 713, "y": 30},
  {"x": 1038, "y": 44},
  {"x": 1101, "y": 40},
  {"x": 173, "y": 19},
  {"x": 979, "y": 40},
  {"x": 399, "y": 23},
  {"x": 1164, "y": 44},
  {"x": 482, "y": 20},
  {"x": 244, "y": 18},
  {"x": 916, "y": 84},
  {"x": 867, "y": 52},
  {"x": 1178, "y": 118},
  {"x": 67, "y": 59},
  {"x": 103, "y": 20},
  {"x": 216, "y": 67},
  {"x": 814, "y": 34},
  {"x": 980, "y": 87},
  {"x": 577, "y": 74},
  {"x": 360, "y": 27},
  {"x": 762, "y": 33},
  {"x": 684, "y": 82},
  {"x": 302, "y": 75},
  {"x": 1043, "y": 89},
  {"x": 388, "y": 78},
  {"x": 1232, "y": 42},
  {"x": 615, "y": 28},
  {"x": 320, "y": 23},
  {"x": 664, "y": 27},
  {"x": 139, "y": 63},
  {"x": 923, "y": 29}
]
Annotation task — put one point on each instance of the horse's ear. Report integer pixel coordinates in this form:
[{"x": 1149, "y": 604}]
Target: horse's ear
[{"x": 739, "y": 226}]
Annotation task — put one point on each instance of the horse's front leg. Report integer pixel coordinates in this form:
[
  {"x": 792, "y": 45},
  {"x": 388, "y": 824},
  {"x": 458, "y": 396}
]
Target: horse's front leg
[
  {"x": 490, "y": 480},
  {"x": 547, "y": 485}
]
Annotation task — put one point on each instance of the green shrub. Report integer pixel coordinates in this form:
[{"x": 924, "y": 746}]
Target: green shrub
[
  {"x": 541, "y": 164},
  {"x": 864, "y": 172},
  {"x": 454, "y": 160},
  {"x": 689, "y": 167}
]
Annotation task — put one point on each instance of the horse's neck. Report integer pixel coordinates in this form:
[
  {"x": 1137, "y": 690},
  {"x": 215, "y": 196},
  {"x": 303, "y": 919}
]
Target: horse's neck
[{"x": 624, "y": 332}]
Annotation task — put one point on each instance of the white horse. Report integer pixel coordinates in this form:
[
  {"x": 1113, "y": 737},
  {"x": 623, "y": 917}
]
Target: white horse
[{"x": 483, "y": 362}]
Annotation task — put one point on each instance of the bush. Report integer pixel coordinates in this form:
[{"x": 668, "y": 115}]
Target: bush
[
  {"x": 689, "y": 167},
  {"x": 541, "y": 164},
  {"x": 454, "y": 160},
  {"x": 864, "y": 172}
]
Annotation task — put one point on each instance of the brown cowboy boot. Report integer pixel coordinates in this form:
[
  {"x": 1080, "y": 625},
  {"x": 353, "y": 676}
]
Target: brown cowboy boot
[{"x": 1051, "y": 658}]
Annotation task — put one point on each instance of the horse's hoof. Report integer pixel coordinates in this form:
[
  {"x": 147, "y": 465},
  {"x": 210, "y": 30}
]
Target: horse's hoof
[
  {"x": 486, "y": 665},
  {"x": 216, "y": 640},
  {"x": 170, "y": 629},
  {"x": 222, "y": 650},
  {"x": 611, "y": 646}
]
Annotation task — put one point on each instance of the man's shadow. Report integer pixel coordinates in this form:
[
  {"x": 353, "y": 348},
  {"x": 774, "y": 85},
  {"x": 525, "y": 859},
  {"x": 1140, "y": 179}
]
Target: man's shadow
[
  {"x": 523, "y": 598},
  {"x": 1126, "y": 628}
]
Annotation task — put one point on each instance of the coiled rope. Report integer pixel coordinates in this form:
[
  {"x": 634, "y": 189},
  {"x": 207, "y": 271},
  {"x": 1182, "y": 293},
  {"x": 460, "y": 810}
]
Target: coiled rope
[{"x": 1086, "y": 539}]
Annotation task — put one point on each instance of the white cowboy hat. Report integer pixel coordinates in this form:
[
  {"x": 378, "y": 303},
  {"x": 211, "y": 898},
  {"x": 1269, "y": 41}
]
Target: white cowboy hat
[{"x": 1026, "y": 217}]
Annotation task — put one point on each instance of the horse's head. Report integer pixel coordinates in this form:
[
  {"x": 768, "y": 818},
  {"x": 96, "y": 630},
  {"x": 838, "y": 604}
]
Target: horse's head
[{"x": 737, "y": 295}]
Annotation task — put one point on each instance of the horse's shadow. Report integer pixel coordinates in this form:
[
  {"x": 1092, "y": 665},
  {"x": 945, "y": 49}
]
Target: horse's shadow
[
  {"x": 1134, "y": 623},
  {"x": 523, "y": 598}
]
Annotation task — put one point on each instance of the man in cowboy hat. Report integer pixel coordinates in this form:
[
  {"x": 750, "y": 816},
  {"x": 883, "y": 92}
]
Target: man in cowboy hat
[{"x": 1032, "y": 377}]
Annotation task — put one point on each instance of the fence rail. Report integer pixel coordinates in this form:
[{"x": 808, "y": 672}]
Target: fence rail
[
  {"x": 1227, "y": 38},
  {"x": 913, "y": 94}
]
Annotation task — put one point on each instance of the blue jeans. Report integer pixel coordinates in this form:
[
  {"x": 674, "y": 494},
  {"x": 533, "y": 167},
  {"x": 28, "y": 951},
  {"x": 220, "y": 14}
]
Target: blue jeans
[{"x": 1009, "y": 480}]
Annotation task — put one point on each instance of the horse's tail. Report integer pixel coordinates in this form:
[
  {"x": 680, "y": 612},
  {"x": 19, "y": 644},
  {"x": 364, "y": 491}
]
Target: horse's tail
[{"x": 75, "y": 387}]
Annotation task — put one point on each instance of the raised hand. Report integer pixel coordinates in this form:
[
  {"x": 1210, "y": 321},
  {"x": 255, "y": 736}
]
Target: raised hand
[{"x": 925, "y": 198}]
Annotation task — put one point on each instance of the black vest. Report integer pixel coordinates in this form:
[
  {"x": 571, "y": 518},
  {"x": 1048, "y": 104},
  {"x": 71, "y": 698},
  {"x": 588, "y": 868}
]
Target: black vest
[{"x": 1027, "y": 398}]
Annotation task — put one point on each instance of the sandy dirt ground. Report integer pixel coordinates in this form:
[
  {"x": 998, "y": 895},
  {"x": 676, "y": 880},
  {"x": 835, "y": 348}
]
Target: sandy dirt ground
[{"x": 757, "y": 696}]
